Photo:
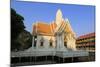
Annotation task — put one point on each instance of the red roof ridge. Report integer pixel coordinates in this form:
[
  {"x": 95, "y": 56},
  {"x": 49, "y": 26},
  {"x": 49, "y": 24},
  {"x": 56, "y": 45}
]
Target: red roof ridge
[{"x": 86, "y": 35}]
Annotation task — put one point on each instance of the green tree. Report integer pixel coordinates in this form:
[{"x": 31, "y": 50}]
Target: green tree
[
  {"x": 17, "y": 24},
  {"x": 20, "y": 38}
]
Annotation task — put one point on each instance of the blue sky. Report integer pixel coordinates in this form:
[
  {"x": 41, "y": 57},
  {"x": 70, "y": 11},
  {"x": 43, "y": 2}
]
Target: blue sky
[{"x": 81, "y": 17}]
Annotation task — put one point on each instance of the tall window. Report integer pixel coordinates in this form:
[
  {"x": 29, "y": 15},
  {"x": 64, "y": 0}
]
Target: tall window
[
  {"x": 65, "y": 44},
  {"x": 41, "y": 42},
  {"x": 65, "y": 41},
  {"x": 34, "y": 43},
  {"x": 51, "y": 44}
]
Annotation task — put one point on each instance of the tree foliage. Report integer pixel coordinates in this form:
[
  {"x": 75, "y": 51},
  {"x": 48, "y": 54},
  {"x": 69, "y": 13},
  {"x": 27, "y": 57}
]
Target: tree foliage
[
  {"x": 17, "y": 24},
  {"x": 20, "y": 38}
]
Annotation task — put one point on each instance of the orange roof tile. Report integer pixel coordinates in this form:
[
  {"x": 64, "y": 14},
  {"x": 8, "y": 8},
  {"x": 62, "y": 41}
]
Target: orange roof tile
[
  {"x": 44, "y": 28},
  {"x": 53, "y": 26}
]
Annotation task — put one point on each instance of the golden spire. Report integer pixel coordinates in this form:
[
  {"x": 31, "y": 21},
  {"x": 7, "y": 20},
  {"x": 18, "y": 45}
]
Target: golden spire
[{"x": 58, "y": 17}]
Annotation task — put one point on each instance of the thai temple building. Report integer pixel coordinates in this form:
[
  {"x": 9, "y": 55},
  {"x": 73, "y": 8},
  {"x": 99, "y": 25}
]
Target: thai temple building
[
  {"x": 55, "y": 39},
  {"x": 58, "y": 34}
]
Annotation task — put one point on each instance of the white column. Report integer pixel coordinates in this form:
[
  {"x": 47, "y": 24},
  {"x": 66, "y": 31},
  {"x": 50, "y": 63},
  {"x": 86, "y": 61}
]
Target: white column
[
  {"x": 57, "y": 41},
  {"x": 62, "y": 40},
  {"x": 37, "y": 42},
  {"x": 33, "y": 42},
  {"x": 58, "y": 45}
]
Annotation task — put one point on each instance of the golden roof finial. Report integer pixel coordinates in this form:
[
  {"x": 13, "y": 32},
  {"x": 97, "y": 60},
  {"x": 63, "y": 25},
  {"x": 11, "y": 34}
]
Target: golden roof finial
[{"x": 58, "y": 17}]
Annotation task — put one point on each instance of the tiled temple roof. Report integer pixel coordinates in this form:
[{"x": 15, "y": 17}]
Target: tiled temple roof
[{"x": 43, "y": 28}]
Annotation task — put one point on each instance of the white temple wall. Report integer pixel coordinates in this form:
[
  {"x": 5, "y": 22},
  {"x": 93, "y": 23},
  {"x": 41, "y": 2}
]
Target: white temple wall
[
  {"x": 46, "y": 43},
  {"x": 59, "y": 45},
  {"x": 71, "y": 42}
]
